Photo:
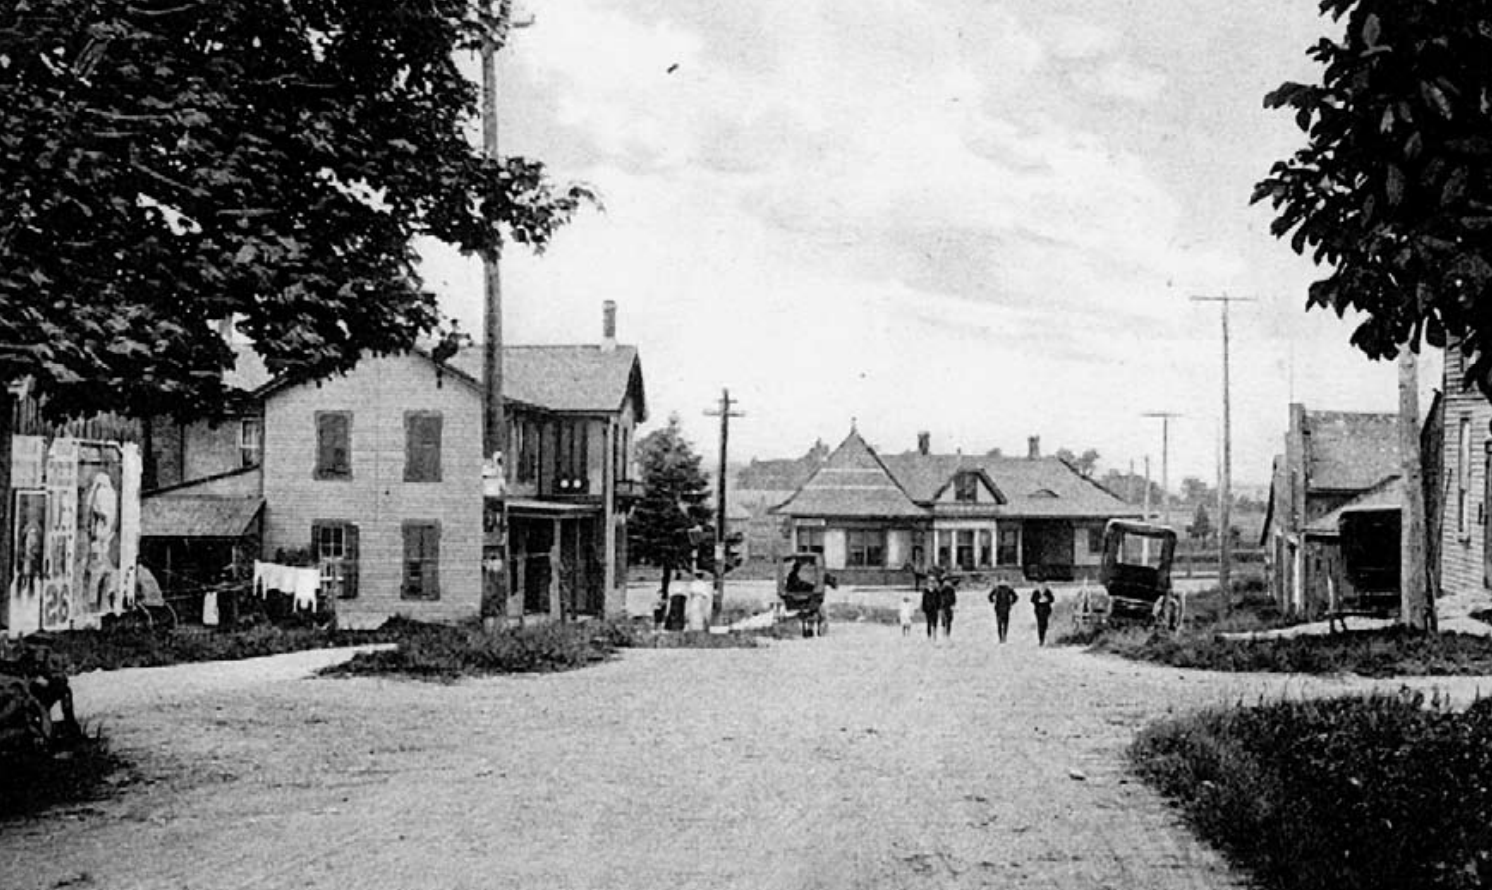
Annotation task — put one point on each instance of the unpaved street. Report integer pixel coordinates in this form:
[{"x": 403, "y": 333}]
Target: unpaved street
[{"x": 858, "y": 760}]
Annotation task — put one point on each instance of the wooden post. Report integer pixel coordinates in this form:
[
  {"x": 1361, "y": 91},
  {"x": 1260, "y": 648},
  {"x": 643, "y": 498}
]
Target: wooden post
[
  {"x": 7, "y": 503},
  {"x": 1414, "y": 611}
]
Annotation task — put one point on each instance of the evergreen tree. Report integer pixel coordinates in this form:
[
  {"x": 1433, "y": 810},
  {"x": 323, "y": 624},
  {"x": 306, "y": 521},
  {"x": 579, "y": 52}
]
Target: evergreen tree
[{"x": 674, "y": 491}]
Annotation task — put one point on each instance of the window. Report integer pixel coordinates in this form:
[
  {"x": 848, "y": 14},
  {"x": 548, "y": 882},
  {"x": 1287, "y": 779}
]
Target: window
[
  {"x": 986, "y": 548},
  {"x": 810, "y": 539},
  {"x": 250, "y": 441},
  {"x": 333, "y": 445},
  {"x": 526, "y": 447},
  {"x": 1463, "y": 476},
  {"x": 965, "y": 551},
  {"x": 966, "y": 488},
  {"x": 1009, "y": 552},
  {"x": 919, "y": 548},
  {"x": 1095, "y": 539},
  {"x": 421, "y": 561},
  {"x": 421, "y": 446},
  {"x": 334, "y": 545},
  {"x": 865, "y": 547},
  {"x": 944, "y": 548},
  {"x": 624, "y": 466},
  {"x": 573, "y": 448}
]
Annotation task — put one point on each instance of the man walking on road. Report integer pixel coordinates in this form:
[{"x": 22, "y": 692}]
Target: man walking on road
[
  {"x": 1003, "y": 597},
  {"x": 947, "y": 599},
  {"x": 930, "y": 608},
  {"x": 1042, "y": 599}
]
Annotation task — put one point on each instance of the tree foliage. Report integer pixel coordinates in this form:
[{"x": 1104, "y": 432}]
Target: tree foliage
[
  {"x": 1393, "y": 189},
  {"x": 165, "y": 164},
  {"x": 674, "y": 491},
  {"x": 1086, "y": 463}
]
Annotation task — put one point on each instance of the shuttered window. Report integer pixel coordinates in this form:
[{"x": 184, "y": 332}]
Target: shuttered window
[
  {"x": 333, "y": 445},
  {"x": 421, "y": 446},
  {"x": 334, "y": 545},
  {"x": 421, "y": 561}
]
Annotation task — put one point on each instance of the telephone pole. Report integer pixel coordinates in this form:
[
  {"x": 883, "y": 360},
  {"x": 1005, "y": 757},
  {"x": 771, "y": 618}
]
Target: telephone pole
[
  {"x": 494, "y": 418},
  {"x": 725, "y": 413},
  {"x": 1165, "y": 451},
  {"x": 1225, "y": 492}
]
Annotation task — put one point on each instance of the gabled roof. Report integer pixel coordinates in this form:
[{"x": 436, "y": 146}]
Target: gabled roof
[
  {"x": 1387, "y": 495},
  {"x": 855, "y": 481},
  {"x": 786, "y": 474},
  {"x": 1350, "y": 451},
  {"x": 852, "y": 482},
  {"x": 984, "y": 480},
  {"x": 1043, "y": 486},
  {"x": 197, "y": 516},
  {"x": 585, "y": 379}
]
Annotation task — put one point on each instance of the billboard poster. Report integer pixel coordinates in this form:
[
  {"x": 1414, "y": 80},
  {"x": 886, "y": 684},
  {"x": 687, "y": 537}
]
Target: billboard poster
[
  {"x": 129, "y": 524},
  {"x": 57, "y": 604},
  {"x": 96, "y": 575},
  {"x": 28, "y": 557},
  {"x": 28, "y": 457}
]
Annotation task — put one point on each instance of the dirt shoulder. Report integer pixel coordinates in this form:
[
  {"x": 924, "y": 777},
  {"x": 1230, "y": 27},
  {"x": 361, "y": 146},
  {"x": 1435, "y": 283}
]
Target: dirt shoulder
[{"x": 857, "y": 760}]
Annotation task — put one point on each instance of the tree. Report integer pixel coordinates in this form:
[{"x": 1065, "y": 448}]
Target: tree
[
  {"x": 674, "y": 491},
  {"x": 1196, "y": 491},
  {"x": 1201, "y": 527},
  {"x": 1393, "y": 190},
  {"x": 166, "y": 166},
  {"x": 1087, "y": 464}
]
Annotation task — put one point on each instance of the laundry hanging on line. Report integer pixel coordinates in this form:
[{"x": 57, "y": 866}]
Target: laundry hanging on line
[{"x": 302, "y": 584}]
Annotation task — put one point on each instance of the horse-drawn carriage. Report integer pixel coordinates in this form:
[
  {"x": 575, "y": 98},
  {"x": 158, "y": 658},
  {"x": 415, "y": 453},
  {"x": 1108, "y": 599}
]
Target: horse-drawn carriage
[
  {"x": 1136, "y": 573},
  {"x": 801, "y": 580}
]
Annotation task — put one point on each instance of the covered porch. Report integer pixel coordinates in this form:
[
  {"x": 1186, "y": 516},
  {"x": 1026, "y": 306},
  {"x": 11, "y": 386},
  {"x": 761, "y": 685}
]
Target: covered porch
[{"x": 556, "y": 562}]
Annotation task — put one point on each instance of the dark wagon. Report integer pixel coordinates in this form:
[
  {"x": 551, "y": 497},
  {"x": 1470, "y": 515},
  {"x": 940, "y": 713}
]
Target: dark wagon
[
  {"x": 801, "y": 580},
  {"x": 1136, "y": 571}
]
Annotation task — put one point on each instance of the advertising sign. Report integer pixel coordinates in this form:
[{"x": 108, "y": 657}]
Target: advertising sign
[
  {"x": 57, "y": 604},
  {"x": 96, "y": 575},
  {"x": 28, "y": 554},
  {"x": 28, "y": 457}
]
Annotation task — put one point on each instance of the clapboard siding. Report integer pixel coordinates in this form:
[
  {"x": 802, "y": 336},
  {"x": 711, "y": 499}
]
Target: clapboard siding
[
  {"x": 1462, "y": 551},
  {"x": 377, "y": 394}
]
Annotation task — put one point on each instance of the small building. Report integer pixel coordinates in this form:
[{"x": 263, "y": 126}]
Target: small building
[
  {"x": 880, "y": 519},
  {"x": 1465, "y": 557},
  {"x": 1331, "y": 459}
]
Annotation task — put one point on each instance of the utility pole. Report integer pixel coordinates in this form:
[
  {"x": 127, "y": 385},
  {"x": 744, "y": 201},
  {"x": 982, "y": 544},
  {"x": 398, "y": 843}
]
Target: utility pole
[
  {"x": 725, "y": 413},
  {"x": 1165, "y": 452},
  {"x": 1415, "y": 607},
  {"x": 494, "y": 419},
  {"x": 1225, "y": 492}
]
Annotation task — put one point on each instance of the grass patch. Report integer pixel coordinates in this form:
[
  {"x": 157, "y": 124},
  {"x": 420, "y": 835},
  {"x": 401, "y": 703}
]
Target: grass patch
[
  {"x": 860, "y": 612},
  {"x": 448, "y": 652},
  {"x": 84, "y": 769},
  {"x": 88, "y": 650},
  {"x": 1374, "y": 793},
  {"x": 1389, "y": 652}
]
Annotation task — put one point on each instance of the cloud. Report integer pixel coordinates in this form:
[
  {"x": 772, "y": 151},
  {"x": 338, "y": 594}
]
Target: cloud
[{"x": 1122, "y": 79}]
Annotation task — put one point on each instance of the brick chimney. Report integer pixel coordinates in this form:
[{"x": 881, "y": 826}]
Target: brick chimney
[
  {"x": 1033, "y": 447},
  {"x": 924, "y": 443},
  {"x": 608, "y": 326}
]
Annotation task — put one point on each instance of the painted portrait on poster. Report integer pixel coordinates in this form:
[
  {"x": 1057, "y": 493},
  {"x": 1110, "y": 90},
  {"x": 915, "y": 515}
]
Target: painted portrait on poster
[
  {"x": 28, "y": 556},
  {"x": 59, "y": 545},
  {"x": 96, "y": 575}
]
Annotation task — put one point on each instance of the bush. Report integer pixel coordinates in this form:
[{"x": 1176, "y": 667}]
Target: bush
[
  {"x": 77, "y": 771},
  {"x": 1371, "y": 792},
  {"x": 122, "y": 647},
  {"x": 1378, "y": 653}
]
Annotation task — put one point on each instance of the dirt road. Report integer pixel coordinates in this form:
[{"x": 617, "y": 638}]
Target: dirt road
[{"x": 858, "y": 760}]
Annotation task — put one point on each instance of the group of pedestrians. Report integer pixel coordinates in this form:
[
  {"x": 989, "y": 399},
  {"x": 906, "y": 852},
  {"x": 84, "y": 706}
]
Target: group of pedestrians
[{"x": 939, "y": 597}]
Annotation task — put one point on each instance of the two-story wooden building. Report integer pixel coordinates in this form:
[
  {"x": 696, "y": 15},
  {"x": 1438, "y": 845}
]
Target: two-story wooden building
[
  {"x": 377, "y": 474},
  {"x": 877, "y": 518}
]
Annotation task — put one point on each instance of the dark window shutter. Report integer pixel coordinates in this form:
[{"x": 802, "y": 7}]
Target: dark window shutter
[
  {"x": 422, "y": 447},
  {"x": 431, "y": 535},
  {"x": 316, "y": 528},
  {"x": 350, "y": 566},
  {"x": 333, "y": 452}
]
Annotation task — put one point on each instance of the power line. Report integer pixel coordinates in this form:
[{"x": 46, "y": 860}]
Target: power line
[{"x": 1165, "y": 450}]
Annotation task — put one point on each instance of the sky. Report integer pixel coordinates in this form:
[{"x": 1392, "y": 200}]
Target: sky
[{"x": 979, "y": 219}]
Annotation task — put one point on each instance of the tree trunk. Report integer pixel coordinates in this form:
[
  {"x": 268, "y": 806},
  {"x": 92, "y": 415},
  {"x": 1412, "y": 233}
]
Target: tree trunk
[{"x": 1414, "y": 611}]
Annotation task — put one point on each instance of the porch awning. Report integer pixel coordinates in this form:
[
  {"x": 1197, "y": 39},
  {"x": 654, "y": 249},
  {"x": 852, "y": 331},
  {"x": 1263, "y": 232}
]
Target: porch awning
[
  {"x": 198, "y": 516},
  {"x": 529, "y": 507}
]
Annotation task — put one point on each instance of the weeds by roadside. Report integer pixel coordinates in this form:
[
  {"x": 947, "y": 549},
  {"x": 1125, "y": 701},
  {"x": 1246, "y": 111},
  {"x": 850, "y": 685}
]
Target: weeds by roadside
[
  {"x": 81, "y": 770},
  {"x": 449, "y": 652},
  {"x": 87, "y": 650},
  {"x": 1374, "y": 793}
]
